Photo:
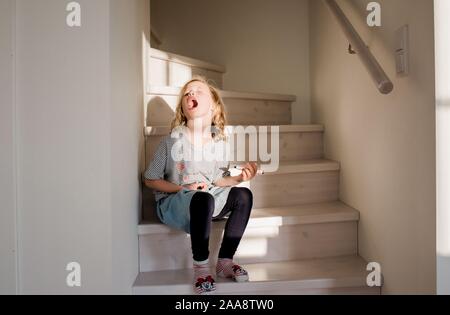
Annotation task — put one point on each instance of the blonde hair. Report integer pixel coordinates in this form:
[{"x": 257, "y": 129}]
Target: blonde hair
[{"x": 219, "y": 120}]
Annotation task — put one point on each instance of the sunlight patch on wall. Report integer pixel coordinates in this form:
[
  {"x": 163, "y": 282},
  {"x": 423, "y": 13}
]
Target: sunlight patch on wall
[{"x": 178, "y": 73}]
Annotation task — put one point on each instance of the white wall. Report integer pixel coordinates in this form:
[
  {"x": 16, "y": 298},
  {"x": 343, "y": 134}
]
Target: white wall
[
  {"x": 79, "y": 100},
  {"x": 64, "y": 146},
  {"x": 7, "y": 164},
  {"x": 386, "y": 144},
  {"x": 442, "y": 25},
  {"x": 263, "y": 44},
  {"x": 129, "y": 19}
]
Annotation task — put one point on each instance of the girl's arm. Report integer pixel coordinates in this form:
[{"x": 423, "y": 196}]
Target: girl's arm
[
  {"x": 249, "y": 171},
  {"x": 163, "y": 186},
  {"x": 168, "y": 187},
  {"x": 229, "y": 181}
]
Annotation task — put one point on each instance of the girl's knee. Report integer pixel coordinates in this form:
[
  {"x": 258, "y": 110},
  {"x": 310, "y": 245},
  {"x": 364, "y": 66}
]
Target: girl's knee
[
  {"x": 244, "y": 195},
  {"x": 202, "y": 201}
]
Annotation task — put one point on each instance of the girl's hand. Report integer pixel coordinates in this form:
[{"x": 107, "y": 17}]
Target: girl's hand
[
  {"x": 249, "y": 171},
  {"x": 197, "y": 186}
]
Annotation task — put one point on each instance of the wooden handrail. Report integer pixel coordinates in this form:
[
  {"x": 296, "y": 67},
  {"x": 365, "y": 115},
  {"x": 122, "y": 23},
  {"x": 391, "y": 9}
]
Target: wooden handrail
[{"x": 383, "y": 83}]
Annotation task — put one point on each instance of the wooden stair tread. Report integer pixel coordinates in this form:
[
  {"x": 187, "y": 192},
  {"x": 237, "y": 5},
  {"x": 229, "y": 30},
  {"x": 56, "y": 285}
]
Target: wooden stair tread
[
  {"x": 168, "y": 56},
  {"x": 317, "y": 213},
  {"x": 346, "y": 271},
  {"x": 165, "y": 130},
  {"x": 303, "y": 166},
  {"x": 175, "y": 91}
]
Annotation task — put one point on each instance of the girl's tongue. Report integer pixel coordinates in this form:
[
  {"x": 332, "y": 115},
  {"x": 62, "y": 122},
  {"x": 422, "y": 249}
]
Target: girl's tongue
[{"x": 194, "y": 104}]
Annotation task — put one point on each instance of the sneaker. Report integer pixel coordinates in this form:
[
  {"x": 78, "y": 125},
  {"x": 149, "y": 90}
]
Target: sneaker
[
  {"x": 228, "y": 269},
  {"x": 205, "y": 285}
]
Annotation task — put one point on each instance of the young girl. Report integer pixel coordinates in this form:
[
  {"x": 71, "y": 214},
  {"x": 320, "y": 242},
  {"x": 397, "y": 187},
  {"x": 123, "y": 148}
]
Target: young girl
[{"x": 191, "y": 192}]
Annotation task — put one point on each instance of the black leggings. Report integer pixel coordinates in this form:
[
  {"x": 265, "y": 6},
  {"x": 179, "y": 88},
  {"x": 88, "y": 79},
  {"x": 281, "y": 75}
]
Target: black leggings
[{"x": 239, "y": 202}]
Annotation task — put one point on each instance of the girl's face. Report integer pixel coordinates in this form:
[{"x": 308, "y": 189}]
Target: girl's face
[{"x": 197, "y": 101}]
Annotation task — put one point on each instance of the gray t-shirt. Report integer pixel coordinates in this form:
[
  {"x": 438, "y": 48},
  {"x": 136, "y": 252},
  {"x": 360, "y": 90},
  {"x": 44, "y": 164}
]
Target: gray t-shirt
[{"x": 177, "y": 160}]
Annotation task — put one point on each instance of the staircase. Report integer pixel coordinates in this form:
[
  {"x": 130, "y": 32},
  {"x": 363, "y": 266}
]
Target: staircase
[{"x": 300, "y": 239}]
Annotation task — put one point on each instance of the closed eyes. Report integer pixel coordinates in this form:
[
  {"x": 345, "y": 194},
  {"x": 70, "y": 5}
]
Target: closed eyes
[{"x": 195, "y": 92}]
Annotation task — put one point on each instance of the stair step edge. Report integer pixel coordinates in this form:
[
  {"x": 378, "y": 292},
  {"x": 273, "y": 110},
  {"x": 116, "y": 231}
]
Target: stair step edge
[
  {"x": 295, "y": 167},
  {"x": 335, "y": 272},
  {"x": 192, "y": 62},
  {"x": 330, "y": 212},
  {"x": 175, "y": 91},
  {"x": 304, "y": 166},
  {"x": 165, "y": 130}
]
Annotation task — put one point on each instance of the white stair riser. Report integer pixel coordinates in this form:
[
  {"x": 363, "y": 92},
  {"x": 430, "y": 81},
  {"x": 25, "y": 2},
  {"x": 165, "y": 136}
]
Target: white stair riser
[
  {"x": 169, "y": 73},
  {"x": 263, "y": 244},
  {"x": 258, "y": 112},
  {"x": 294, "y": 189},
  {"x": 276, "y": 190},
  {"x": 293, "y": 146},
  {"x": 160, "y": 111}
]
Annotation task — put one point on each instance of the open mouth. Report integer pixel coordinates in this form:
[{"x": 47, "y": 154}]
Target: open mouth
[{"x": 193, "y": 105}]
